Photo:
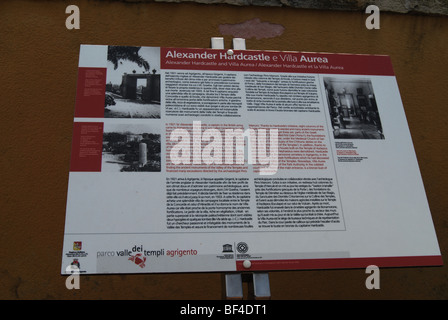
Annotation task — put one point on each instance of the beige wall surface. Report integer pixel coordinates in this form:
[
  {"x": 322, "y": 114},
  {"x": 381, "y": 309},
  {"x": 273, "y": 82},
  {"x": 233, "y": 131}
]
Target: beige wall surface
[{"x": 38, "y": 63}]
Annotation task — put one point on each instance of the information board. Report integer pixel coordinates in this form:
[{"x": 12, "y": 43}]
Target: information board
[{"x": 208, "y": 160}]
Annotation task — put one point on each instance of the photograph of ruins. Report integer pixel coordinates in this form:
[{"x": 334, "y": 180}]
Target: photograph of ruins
[
  {"x": 133, "y": 82},
  {"x": 131, "y": 148}
]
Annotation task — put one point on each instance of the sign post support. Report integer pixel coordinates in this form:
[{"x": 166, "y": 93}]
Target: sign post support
[{"x": 258, "y": 282}]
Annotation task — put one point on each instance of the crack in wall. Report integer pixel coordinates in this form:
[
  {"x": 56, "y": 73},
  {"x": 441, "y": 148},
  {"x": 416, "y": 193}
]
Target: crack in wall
[{"x": 429, "y": 7}]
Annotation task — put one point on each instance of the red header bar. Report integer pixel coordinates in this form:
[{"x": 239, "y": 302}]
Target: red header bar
[
  {"x": 340, "y": 263},
  {"x": 275, "y": 61}
]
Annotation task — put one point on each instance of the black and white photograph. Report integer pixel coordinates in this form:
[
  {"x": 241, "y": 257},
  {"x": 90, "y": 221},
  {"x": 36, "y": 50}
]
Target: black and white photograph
[
  {"x": 131, "y": 148},
  {"x": 353, "y": 109},
  {"x": 132, "y": 82}
]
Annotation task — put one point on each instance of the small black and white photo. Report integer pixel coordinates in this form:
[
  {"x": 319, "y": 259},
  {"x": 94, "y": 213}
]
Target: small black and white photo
[
  {"x": 353, "y": 109},
  {"x": 132, "y": 82},
  {"x": 131, "y": 148}
]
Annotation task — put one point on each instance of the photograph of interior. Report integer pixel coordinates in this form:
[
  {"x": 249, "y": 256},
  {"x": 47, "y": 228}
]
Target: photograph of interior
[{"x": 353, "y": 109}]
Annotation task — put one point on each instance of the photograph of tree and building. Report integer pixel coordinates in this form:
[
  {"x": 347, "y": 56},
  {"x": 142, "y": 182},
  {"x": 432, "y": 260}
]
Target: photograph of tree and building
[
  {"x": 353, "y": 109},
  {"x": 133, "y": 82},
  {"x": 131, "y": 148}
]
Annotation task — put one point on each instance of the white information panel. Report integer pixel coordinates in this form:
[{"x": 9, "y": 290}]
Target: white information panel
[{"x": 203, "y": 160}]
